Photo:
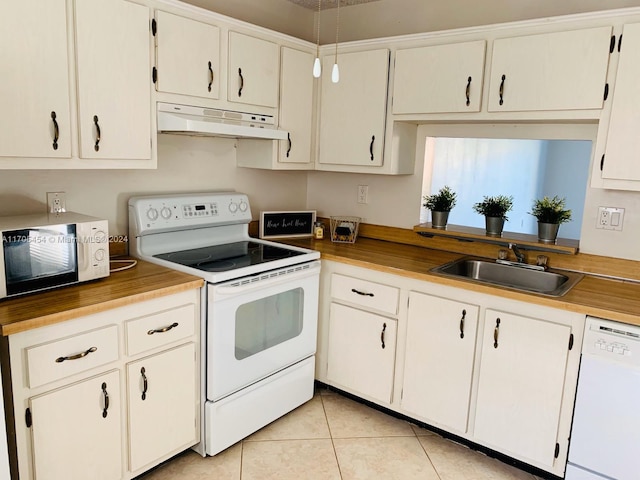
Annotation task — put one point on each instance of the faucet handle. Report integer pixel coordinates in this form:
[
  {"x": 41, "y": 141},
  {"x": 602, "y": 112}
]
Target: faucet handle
[
  {"x": 503, "y": 254},
  {"x": 542, "y": 260}
]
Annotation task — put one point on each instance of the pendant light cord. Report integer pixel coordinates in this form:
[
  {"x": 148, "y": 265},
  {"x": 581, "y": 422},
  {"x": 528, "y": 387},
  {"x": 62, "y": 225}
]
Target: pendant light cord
[
  {"x": 337, "y": 30},
  {"x": 318, "y": 32}
]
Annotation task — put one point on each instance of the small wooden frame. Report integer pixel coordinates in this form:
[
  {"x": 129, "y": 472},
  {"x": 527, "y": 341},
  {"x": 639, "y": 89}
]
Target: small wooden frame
[{"x": 287, "y": 224}]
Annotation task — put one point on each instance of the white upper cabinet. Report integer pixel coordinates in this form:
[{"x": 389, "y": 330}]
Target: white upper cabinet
[
  {"x": 552, "y": 71},
  {"x": 623, "y": 142},
  {"x": 296, "y": 106},
  {"x": 36, "y": 119},
  {"x": 352, "y": 111},
  {"x": 253, "y": 71},
  {"x": 114, "y": 79},
  {"x": 187, "y": 56},
  {"x": 439, "y": 79}
]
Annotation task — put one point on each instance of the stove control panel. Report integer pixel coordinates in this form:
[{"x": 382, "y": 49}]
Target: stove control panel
[{"x": 179, "y": 212}]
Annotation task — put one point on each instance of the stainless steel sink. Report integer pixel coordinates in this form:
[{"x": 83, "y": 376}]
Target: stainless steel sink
[{"x": 545, "y": 282}]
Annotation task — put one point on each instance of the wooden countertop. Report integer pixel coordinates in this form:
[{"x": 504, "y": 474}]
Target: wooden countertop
[
  {"x": 142, "y": 282},
  {"x": 611, "y": 299}
]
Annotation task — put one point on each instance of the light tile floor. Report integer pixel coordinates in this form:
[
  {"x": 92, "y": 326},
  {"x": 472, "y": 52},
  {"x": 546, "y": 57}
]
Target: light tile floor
[{"x": 332, "y": 437}]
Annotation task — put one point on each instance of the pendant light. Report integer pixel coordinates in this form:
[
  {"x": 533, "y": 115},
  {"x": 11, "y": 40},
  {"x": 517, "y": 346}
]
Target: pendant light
[
  {"x": 335, "y": 72},
  {"x": 317, "y": 68}
]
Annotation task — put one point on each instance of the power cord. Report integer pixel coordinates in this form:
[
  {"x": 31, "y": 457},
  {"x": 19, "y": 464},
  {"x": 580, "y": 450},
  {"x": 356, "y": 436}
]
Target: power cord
[{"x": 129, "y": 264}]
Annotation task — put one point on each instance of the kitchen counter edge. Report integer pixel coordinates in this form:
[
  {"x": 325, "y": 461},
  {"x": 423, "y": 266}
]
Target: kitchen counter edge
[
  {"x": 600, "y": 297},
  {"x": 143, "y": 282}
]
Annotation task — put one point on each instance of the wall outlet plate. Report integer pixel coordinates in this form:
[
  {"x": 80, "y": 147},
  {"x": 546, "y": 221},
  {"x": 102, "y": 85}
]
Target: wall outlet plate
[
  {"x": 610, "y": 218},
  {"x": 363, "y": 194},
  {"x": 56, "y": 202}
]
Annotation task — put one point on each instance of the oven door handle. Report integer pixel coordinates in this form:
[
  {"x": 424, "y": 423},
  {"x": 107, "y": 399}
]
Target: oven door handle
[{"x": 259, "y": 282}]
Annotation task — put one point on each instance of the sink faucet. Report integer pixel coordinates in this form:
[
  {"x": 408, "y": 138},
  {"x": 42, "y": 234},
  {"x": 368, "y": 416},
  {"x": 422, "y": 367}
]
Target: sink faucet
[{"x": 519, "y": 255}]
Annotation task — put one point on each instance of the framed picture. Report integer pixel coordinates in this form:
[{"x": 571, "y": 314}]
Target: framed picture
[{"x": 287, "y": 224}]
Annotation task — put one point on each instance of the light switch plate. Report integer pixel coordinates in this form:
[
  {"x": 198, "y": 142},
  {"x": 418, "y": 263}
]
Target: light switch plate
[{"x": 610, "y": 218}]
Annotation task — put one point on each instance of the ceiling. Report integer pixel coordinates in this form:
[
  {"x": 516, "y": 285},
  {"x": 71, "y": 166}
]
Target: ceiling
[
  {"x": 363, "y": 19},
  {"x": 326, "y": 4}
]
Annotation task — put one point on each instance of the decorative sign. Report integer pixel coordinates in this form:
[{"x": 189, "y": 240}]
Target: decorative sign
[{"x": 287, "y": 224}]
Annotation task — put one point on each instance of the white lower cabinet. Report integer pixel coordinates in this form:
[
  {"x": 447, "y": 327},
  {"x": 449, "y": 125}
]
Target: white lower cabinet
[
  {"x": 76, "y": 431},
  {"x": 497, "y": 372},
  {"x": 520, "y": 389},
  {"x": 121, "y": 393},
  {"x": 161, "y": 400},
  {"x": 362, "y": 352},
  {"x": 439, "y": 356}
]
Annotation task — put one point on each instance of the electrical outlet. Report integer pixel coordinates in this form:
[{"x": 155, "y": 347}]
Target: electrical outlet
[
  {"x": 610, "y": 218},
  {"x": 57, "y": 202},
  {"x": 363, "y": 193}
]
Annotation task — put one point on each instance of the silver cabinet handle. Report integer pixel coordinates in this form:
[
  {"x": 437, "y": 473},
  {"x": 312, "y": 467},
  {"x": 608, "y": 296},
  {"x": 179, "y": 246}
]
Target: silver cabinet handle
[
  {"x": 77, "y": 355},
  {"x": 162, "y": 330}
]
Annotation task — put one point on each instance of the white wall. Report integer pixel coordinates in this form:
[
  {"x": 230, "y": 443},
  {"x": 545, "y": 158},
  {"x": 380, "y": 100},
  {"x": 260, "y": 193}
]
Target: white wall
[{"x": 186, "y": 164}]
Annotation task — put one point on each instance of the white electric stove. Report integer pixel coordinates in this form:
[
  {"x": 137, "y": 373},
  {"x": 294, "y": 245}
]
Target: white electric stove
[{"x": 259, "y": 307}]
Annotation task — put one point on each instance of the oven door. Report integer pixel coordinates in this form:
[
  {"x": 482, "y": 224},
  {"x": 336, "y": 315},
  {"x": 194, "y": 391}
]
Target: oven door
[{"x": 259, "y": 325}]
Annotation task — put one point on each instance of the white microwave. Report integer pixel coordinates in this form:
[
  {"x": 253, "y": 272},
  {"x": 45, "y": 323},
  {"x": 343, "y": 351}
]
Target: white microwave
[{"x": 46, "y": 251}]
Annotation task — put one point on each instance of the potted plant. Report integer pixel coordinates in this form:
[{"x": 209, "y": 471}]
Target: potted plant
[
  {"x": 551, "y": 213},
  {"x": 440, "y": 205},
  {"x": 495, "y": 211}
]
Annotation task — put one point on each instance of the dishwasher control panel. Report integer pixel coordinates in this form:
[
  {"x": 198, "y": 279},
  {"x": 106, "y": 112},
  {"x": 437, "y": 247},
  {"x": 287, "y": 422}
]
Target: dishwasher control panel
[{"x": 612, "y": 340}]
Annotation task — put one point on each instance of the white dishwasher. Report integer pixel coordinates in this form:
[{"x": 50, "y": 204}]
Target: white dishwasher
[{"x": 605, "y": 437}]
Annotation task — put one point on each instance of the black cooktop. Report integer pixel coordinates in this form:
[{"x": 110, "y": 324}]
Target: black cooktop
[{"x": 229, "y": 256}]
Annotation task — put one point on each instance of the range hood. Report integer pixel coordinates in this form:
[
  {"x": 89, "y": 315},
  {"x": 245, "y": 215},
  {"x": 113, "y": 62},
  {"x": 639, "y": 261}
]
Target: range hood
[{"x": 188, "y": 120}]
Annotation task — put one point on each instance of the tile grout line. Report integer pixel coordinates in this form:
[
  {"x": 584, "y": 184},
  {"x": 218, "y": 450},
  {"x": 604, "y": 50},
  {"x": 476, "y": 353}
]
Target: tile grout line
[
  {"x": 333, "y": 445},
  {"x": 426, "y": 453}
]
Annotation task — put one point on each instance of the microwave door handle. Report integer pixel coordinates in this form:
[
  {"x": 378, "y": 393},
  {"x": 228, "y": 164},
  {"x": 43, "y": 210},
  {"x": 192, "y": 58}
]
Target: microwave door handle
[{"x": 83, "y": 254}]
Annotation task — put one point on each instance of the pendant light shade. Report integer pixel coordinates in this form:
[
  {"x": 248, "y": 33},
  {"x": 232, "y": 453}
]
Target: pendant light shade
[
  {"x": 335, "y": 73},
  {"x": 317, "y": 67}
]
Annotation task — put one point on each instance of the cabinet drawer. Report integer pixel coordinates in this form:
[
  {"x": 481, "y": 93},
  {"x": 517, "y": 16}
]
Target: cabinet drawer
[
  {"x": 62, "y": 358},
  {"x": 160, "y": 329},
  {"x": 368, "y": 294}
]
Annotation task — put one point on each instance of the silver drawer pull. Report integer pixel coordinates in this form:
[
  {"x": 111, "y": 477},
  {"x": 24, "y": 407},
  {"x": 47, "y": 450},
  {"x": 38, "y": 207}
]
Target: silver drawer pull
[
  {"x": 162, "y": 330},
  {"x": 77, "y": 355}
]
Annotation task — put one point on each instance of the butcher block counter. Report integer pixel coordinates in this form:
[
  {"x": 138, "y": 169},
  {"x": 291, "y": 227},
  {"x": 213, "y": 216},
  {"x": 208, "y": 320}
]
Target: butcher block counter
[
  {"x": 145, "y": 281},
  {"x": 593, "y": 295}
]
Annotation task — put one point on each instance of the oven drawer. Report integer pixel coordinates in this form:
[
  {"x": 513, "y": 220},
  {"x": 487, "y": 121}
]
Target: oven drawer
[
  {"x": 159, "y": 329},
  {"x": 61, "y": 358},
  {"x": 367, "y": 294}
]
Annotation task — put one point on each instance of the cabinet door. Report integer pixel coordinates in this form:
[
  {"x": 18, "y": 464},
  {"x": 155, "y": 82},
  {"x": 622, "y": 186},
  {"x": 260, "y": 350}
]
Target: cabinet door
[
  {"x": 439, "y": 79},
  {"x": 440, "y": 350},
  {"x": 521, "y": 382},
  {"x": 362, "y": 350},
  {"x": 623, "y": 142},
  {"x": 296, "y": 105},
  {"x": 352, "y": 117},
  {"x": 253, "y": 71},
  {"x": 187, "y": 56},
  {"x": 114, "y": 79},
  {"x": 163, "y": 404},
  {"x": 76, "y": 430},
  {"x": 35, "y": 79},
  {"x": 551, "y": 71}
]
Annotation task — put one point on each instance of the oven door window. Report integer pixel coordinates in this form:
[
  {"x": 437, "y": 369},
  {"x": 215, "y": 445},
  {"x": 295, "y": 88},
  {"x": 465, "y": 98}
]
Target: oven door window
[
  {"x": 267, "y": 322},
  {"x": 39, "y": 258}
]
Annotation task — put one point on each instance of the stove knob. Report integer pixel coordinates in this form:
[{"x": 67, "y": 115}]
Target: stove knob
[
  {"x": 243, "y": 206},
  {"x": 152, "y": 214},
  {"x": 233, "y": 207},
  {"x": 166, "y": 213}
]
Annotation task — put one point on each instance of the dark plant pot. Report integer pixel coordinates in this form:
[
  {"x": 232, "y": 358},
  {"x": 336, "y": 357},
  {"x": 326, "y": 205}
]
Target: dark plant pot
[
  {"x": 439, "y": 219},
  {"x": 548, "y": 232},
  {"x": 494, "y": 226}
]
